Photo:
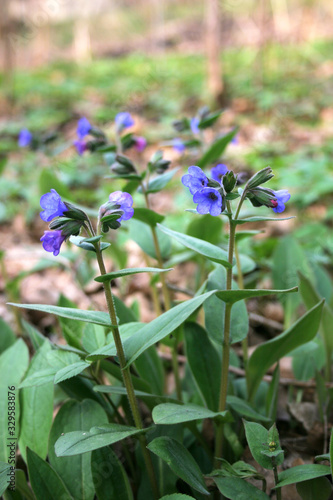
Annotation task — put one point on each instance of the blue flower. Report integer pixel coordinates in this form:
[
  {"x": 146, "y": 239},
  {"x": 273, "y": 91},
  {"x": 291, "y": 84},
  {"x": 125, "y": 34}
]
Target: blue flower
[
  {"x": 219, "y": 171},
  {"x": 125, "y": 202},
  {"x": 123, "y": 120},
  {"x": 25, "y": 138},
  {"x": 234, "y": 140},
  {"x": 194, "y": 124},
  {"x": 52, "y": 206},
  {"x": 52, "y": 241},
  {"x": 80, "y": 146},
  {"x": 83, "y": 128},
  {"x": 178, "y": 145},
  {"x": 209, "y": 201},
  {"x": 195, "y": 179},
  {"x": 282, "y": 197}
]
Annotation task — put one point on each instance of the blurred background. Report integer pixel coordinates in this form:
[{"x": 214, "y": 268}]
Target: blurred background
[{"x": 267, "y": 63}]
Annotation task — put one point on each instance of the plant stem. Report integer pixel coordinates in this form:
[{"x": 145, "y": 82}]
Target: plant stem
[
  {"x": 276, "y": 479},
  {"x": 240, "y": 281},
  {"x": 165, "y": 290},
  {"x": 226, "y": 339},
  {"x": 126, "y": 373}
]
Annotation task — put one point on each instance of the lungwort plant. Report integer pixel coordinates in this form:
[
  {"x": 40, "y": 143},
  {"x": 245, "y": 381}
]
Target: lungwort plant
[{"x": 122, "y": 430}]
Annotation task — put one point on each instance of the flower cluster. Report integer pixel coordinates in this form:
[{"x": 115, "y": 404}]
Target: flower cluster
[
  {"x": 211, "y": 194},
  {"x": 67, "y": 220},
  {"x": 208, "y": 193}
]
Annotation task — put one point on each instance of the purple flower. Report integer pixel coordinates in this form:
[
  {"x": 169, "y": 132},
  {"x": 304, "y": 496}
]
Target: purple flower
[
  {"x": 125, "y": 201},
  {"x": 123, "y": 120},
  {"x": 195, "y": 179},
  {"x": 194, "y": 124},
  {"x": 282, "y": 197},
  {"x": 178, "y": 145},
  {"x": 209, "y": 201},
  {"x": 83, "y": 128},
  {"x": 25, "y": 138},
  {"x": 52, "y": 241},
  {"x": 140, "y": 143},
  {"x": 219, "y": 171},
  {"x": 80, "y": 146},
  {"x": 234, "y": 140},
  {"x": 52, "y": 205}
]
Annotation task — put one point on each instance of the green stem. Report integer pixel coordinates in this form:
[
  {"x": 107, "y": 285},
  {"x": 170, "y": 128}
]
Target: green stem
[
  {"x": 240, "y": 281},
  {"x": 226, "y": 341},
  {"x": 126, "y": 373},
  {"x": 276, "y": 479}
]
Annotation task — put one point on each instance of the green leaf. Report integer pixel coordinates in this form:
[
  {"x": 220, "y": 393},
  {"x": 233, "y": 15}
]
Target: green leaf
[
  {"x": 204, "y": 362},
  {"x": 96, "y": 317},
  {"x": 159, "y": 182},
  {"x": 311, "y": 297},
  {"x": 72, "y": 330},
  {"x": 148, "y": 216},
  {"x": 216, "y": 149},
  {"x": 215, "y": 309},
  {"x": 233, "y": 296},
  {"x": 146, "y": 397},
  {"x": 4, "y": 470},
  {"x": 180, "y": 461},
  {"x": 236, "y": 488},
  {"x": 210, "y": 119},
  {"x": 270, "y": 352},
  {"x": 70, "y": 371},
  {"x": 13, "y": 364},
  {"x": 241, "y": 235},
  {"x": 124, "y": 313},
  {"x": 142, "y": 235},
  {"x": 36, "y": 408},
  {"x": 127, "y": 330},
  {"x": 77, "y": 442},
  {"x": 313, "y": 489},
  {"x": 36, "y": 338},
  {"x": 168, "y": 414},
  {"x": 162, "y": 326},
  {"x": 258, "y": 439},
  {"x": 75, "y": 471},
  {"x": 7, "y": 337},
  {"x": 127, "y": 272},
  {"x": 244, "y": 409},
  {"x": 109, "y": 476},
  {"x": 301, "y": 473},
  {"x": 260, "y": 219},
  {"x": 212, "y": 252},
  {"x": 273, "y": 394},
  {"x": 54, "y": 361},
  {"x": 246, "y": 263},
  {"x": 93, "y": 337},
  {"x": 149, "y": 367},
  {"x": 45, "y": 482},
  {"x": 206, "y": 228},
  {"x": 289, "y": 258}
]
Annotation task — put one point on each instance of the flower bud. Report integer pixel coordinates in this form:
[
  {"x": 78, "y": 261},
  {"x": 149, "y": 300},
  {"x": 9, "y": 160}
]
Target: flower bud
[
  {"x": 262, "y": 196},
  {"x": 229, "y": 181},
  {"x": 123, "y": 166},
  {"x": 260, "y": 177},
  {"x": 67, "y": 226}
]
